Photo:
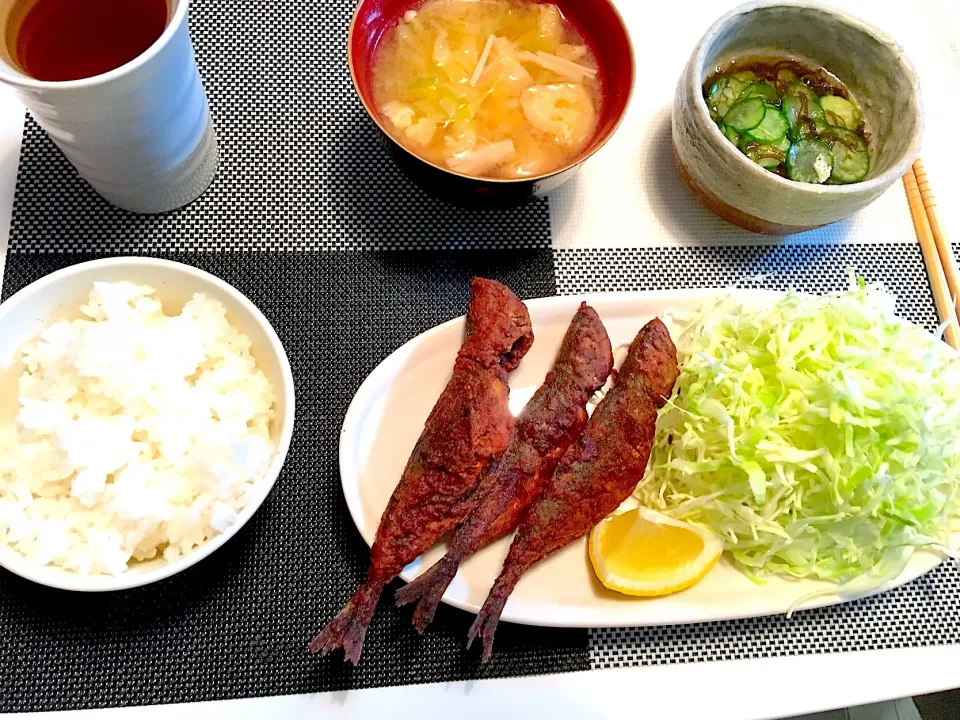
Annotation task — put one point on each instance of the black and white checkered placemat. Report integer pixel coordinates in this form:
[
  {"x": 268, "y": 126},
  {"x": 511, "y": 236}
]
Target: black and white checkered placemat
[
  {"x": 238, "y": 623},
  {"x": 310, "y": 219},
  {"x": 924, "y": 612}
]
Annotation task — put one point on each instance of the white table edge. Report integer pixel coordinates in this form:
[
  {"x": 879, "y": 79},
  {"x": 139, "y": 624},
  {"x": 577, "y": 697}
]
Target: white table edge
[{"x": 734, "y": 689}]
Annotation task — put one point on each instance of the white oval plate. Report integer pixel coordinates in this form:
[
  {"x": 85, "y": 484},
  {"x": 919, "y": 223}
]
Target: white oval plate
[{"x": 386, "y": 417}]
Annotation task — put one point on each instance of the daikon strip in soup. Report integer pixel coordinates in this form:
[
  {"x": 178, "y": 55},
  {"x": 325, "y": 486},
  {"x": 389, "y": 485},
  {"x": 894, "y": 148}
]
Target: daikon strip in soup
[{"x": 488, "y": 88}]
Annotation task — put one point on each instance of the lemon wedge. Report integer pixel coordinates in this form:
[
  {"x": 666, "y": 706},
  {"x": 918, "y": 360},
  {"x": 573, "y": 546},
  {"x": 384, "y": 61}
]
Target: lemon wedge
[{"x": 641, "y": 552}]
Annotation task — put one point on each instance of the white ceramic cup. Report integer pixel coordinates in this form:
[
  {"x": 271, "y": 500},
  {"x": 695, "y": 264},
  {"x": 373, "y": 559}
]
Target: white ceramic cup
[{"x": 141, "y": 134}]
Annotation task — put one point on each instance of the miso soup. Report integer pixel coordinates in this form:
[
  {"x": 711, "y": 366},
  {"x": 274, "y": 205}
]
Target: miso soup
[{"x": 488, "y": 88}]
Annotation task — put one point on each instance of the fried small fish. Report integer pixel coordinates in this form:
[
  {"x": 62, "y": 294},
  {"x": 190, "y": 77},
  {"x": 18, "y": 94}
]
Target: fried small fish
[
  {"x": 469, "y": 425},
  {"x": 596, "y": 474},
  {"x": 545, "y": 428}
]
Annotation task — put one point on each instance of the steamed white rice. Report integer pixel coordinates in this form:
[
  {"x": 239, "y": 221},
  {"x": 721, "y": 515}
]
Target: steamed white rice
[{"x": 137, "y": 435}]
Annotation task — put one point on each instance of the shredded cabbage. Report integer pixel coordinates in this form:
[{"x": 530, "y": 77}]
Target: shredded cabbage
[{"x": 814, "y": 434}]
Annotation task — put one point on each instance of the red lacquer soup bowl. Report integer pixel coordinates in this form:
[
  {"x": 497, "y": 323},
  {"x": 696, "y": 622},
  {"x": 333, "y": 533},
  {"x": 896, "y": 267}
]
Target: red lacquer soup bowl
[{"x": 599, "y": 24}]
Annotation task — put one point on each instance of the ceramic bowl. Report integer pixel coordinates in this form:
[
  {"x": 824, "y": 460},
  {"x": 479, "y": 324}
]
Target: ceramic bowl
[
  {"x": 57, "y": 296},
  {"x": 872, "y": 66},
  {"x": 599, "y": 23}
]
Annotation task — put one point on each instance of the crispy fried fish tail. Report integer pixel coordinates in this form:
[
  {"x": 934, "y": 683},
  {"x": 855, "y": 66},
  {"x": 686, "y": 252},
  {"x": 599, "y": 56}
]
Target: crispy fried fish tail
[
  {"x": 485, "y": 624},
  {"x": 349, "y": 627},
  {"x": 468, "y": 426}
]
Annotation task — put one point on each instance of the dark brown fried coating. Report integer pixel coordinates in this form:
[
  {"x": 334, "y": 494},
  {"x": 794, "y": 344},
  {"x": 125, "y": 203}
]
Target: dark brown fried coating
[
  {"x": 596, "y": 474},
  {"x": 469, "y": 425},
  {"x": 543, "y": 431}
]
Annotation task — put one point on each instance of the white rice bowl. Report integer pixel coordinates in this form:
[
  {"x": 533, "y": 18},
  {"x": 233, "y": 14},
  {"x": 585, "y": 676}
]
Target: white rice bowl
[{"x": 138, "y": 435}]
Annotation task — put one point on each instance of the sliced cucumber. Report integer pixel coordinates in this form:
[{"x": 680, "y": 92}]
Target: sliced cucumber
[
  {"x": 732, "y": 135},
  {"x": 802, "y": 110},
  {"x": 769, "y": 155},
  {"x": 792, "y": 109},
  {"x": 783, "y": 146},
  {"x": 810, "y": 161},
  {"x": 834, "y": 121},
  {"x": 851, "y": 156},
  {"x": 761, "y": 156},
  {"x": 798, "y": 88},
  {"x": 761, "y": 90},
  {"x": 723, "y": 94},
  {"x": 785, "y": 77},
  {"x": 714, "y": 97},
  {"x": 802, "y": 129},
  {"x": 813, "y": 109},
  {"x": 848, "y": 113},
  {"x": 772, "y": 129},
  {"x": 809, "y": 128},
  {"x": 810, "y": 102},
  {"x": 783, "y": 125},
  {"x": 745, "y": 114}
]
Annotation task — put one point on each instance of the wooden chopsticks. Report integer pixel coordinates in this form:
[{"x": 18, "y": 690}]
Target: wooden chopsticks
[{"x": 937, "y": 253}]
